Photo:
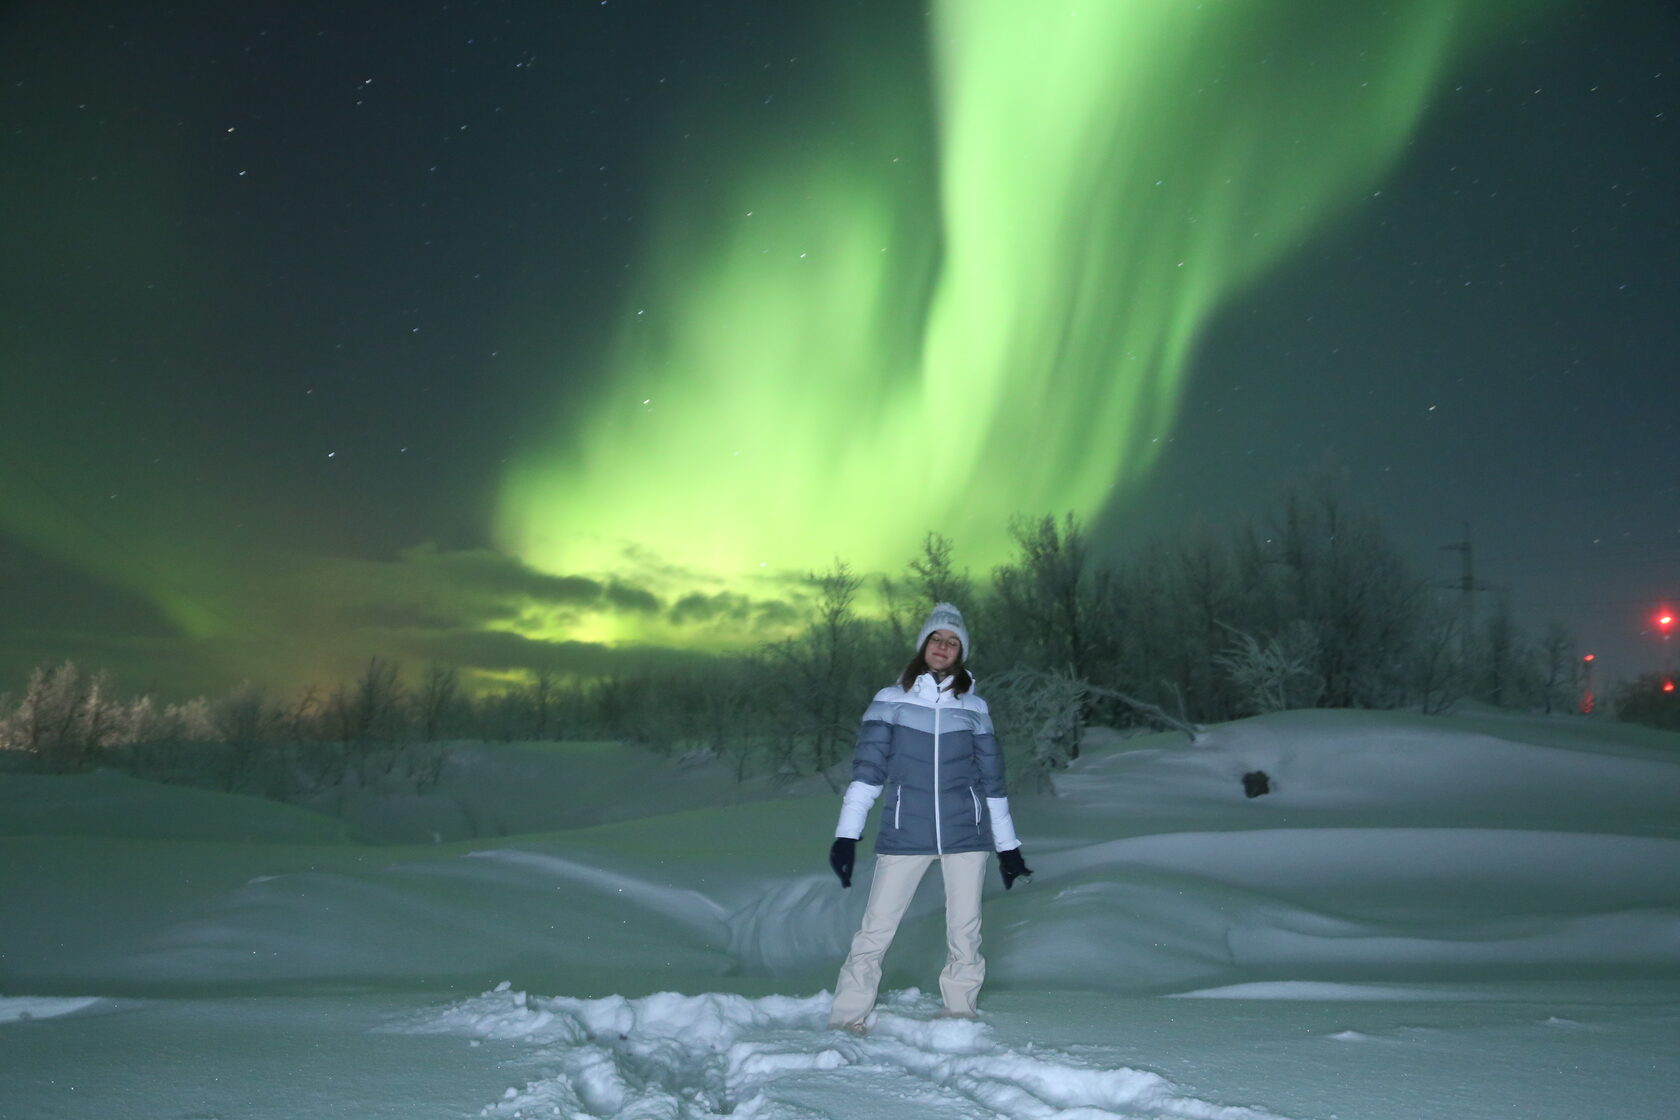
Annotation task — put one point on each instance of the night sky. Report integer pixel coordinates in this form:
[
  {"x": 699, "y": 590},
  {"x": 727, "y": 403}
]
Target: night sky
[{"x": 519, "y": 334}]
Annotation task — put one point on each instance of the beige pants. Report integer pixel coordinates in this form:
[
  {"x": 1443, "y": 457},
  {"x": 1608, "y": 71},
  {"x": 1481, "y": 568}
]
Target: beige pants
[{"x": 896, "y": 879}]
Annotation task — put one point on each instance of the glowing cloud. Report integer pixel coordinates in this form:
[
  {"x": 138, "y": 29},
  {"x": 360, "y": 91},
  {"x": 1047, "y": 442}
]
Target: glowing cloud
[{"x": 855, "y": 350}]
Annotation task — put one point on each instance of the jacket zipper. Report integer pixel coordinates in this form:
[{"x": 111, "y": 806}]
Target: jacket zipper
[
  {"x": 976, "y": 798},
  {"x": 898, "y": 807},
  {"x": 938, "y": 839}
]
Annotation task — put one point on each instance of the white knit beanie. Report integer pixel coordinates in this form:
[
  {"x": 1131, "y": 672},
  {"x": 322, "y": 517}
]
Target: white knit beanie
[{"x": 946, "y": 617}]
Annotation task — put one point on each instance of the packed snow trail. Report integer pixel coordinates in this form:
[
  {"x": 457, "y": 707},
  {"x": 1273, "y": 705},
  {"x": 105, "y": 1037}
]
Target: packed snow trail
[{"x": 691, "y": 1057}]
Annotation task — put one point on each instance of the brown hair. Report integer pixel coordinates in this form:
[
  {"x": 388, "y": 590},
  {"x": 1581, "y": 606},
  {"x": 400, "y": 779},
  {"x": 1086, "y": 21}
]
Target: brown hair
[{"x": 961, "y": 679}]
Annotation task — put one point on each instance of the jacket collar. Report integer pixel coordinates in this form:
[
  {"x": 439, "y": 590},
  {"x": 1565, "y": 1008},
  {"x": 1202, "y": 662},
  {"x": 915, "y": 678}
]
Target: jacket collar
[{"x": 931, "y": 690}]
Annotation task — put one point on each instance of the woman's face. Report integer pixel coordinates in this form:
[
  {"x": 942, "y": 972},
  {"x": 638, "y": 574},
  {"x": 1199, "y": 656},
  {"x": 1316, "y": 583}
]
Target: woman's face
[{"x": 942, "y": 650}]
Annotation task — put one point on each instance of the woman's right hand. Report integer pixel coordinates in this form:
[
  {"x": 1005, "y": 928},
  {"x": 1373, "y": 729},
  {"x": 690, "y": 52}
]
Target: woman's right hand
[{"x": 842, "y": 855}]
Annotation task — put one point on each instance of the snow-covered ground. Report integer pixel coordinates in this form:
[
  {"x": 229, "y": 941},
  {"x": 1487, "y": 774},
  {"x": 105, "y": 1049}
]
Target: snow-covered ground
[{"x": 1465, "y": 918}]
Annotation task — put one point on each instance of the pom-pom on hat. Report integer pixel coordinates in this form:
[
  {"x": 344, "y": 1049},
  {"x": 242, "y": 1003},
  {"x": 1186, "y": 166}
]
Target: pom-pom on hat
[{"x": 945, "y": 617}]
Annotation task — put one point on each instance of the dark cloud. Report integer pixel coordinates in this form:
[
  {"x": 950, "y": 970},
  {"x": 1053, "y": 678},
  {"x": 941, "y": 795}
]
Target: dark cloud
[
  {"x": 431, "y": 589},
  {"x": 398, "y": 616},
  {"x": 741, "y": 611},
  {"x": 699, "y": 607},
  {"x": 501, "y": 652},
  {"x": 629, "y": 598},
  {"x": 313, "y": 620},
  {"x": 490, "y": 572},
  {"x": 773, "y": 614}
]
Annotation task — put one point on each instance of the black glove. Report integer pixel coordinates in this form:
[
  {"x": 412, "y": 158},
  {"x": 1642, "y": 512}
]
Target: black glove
[
  {"x": 1013, "y": 867},
  {"x": 842, "y": 854}
]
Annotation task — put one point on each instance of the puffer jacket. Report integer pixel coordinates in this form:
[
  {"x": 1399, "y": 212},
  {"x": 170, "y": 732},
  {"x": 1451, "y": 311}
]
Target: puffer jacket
[{"x": 935, "y": 756}]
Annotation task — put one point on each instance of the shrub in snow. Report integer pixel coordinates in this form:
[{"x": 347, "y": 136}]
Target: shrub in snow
[
  {"x": 1275, "y": 675},
  {"x": 1039, "y": 718}
]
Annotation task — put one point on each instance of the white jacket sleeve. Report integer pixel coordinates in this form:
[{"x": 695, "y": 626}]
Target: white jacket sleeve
[
  {"x": 1003, "y": 826},
  {"x": 854, "y": 809}
]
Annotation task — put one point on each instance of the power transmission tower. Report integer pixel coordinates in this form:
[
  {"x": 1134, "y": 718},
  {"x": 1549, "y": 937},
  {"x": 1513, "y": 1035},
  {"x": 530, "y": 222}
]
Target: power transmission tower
[{"x": 1467, "y": 585}]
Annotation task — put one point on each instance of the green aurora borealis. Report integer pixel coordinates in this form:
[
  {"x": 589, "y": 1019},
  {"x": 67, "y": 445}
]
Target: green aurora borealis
[
  {"x": 572, "y": 336},
  {"x": 863, "y": 341}
]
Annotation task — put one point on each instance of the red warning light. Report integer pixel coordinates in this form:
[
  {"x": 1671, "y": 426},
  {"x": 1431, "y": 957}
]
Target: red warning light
[
  {"x": 1588, "y": 657},
  {"x": 1665, "y": 621},
  {"x": 1668, "y": 686}
]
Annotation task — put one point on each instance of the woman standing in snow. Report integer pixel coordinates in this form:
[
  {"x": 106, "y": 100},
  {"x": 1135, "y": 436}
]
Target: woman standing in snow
[{"x": 927, "y": 742}]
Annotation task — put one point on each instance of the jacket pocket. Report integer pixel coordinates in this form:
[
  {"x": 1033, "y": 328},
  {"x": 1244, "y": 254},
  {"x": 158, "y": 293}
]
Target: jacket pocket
[
  {"x": 976, "y": 798},
  {"x": 898, "y": 807}
]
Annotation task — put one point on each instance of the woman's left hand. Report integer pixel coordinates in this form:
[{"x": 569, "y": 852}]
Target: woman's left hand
[{"x": 1013, "y": 865}]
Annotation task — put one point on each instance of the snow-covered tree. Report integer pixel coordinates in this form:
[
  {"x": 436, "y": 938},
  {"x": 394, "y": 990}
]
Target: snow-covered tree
[
  {"x": 1274, "y": 675},
  {"x": 1039, "y": 716}
]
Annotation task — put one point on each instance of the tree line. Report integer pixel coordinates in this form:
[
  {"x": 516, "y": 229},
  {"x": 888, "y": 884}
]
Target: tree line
[{"x": 1312, "y": 605}]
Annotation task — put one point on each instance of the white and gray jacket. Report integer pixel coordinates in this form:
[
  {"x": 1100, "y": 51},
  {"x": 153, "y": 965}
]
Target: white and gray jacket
[{"x": 936, "y": 758}]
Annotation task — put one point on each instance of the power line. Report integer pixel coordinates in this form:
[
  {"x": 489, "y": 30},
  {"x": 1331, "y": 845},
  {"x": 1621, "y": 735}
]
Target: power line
[{"x": 1662, "y": 550}]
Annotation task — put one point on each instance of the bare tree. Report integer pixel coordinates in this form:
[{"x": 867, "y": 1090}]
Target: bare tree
[
  {"x": 1050, "y": 600},
  {"x": 246, "y": 730},
  {"x": 301, "y": 720},
  {"x": 1560, "y": 667},
  {"x": 1500, "y": 653},
  {"x": 1438, "y": 662},
  {"x": 901, "y": 604},
  {"x": 437, "y": 702},
  {"x": 366, "y": 717},
  {"x": 541, "y": 696},
  {"x": 934, "y": 576},
  {"x": 243, "y": 715},
  {"x": 1348, "y": 580},
  {"x": 720, "y": 713},
  {"x": 821, "y": 669},
  {"x": 1205, "y": 597},
  {"x": 378, "y": 707},
  {"x": 51, "y": 719},
  {"x": 929, "y": 577}
]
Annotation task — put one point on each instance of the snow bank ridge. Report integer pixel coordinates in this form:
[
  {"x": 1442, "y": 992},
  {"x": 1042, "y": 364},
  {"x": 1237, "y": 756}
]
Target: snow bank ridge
[
  {"x": 21, "y": 1009},
  {"x": 691, "y": 1057}
]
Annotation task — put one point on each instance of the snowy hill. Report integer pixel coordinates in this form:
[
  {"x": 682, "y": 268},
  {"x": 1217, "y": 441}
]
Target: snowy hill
[
  {"x": 1426, "y": 917},
  {"x": 111, "y": 804},
  {"x": 510, "y": 789}
]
